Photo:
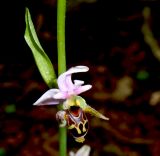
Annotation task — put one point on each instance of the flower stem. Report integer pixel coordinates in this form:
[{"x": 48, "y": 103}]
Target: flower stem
[{"x": 61, "y": 10}]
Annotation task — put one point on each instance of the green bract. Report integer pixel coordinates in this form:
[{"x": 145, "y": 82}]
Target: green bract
[{"x": 42, "y": 60}]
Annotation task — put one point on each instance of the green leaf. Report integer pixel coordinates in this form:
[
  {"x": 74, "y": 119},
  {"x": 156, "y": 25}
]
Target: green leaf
[{"x": 42, "y": 60}]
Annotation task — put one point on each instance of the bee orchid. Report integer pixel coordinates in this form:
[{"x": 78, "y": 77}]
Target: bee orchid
[{"x": 74, "y": 106}]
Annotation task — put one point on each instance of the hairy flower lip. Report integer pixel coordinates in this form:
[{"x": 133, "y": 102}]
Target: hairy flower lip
[{"x": 66, "y": 88}]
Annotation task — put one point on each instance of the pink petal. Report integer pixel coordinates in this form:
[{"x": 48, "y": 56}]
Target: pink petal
[
  {"x": 64, "y": 80},
  {"x": 82, "y": 89},
  {"x": 48, "y": 98},
  {"x": 78, "y": 82},
  {"x": 60, "y": 95}
]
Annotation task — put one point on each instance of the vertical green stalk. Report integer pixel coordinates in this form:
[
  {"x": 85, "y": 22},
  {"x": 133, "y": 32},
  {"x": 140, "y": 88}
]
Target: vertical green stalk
[{"x": 61, "y": 10}]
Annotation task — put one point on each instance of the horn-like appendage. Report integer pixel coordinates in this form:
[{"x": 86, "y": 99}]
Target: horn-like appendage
[{"x": 92, "y": 111}]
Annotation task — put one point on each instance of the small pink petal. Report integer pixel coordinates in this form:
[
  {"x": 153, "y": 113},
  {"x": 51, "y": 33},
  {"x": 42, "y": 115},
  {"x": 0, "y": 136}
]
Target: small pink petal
[
  {"x": 60, "y": 95},
  {"x": 82, "y": 89},
  {"x": 78, "y": 82},
  {"x": 47, "y": 102},
  {"x": 64, "y": 80},
  {"x": 48, "y": 98},
  {"x": 77, "y": 69}
]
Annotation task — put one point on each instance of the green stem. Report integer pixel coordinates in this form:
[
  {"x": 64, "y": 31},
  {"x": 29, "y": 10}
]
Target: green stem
[{"x": 61, "y": 10}]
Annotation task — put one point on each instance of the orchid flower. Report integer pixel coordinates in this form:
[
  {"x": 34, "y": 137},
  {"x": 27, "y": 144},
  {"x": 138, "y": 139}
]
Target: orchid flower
[
  {"x": 66, "y": 88},
  {"x": 67, "y": 95}
]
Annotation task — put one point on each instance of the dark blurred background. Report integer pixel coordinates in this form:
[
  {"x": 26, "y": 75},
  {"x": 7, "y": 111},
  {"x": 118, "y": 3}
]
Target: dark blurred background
[{"x": 118, "y": 41}]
